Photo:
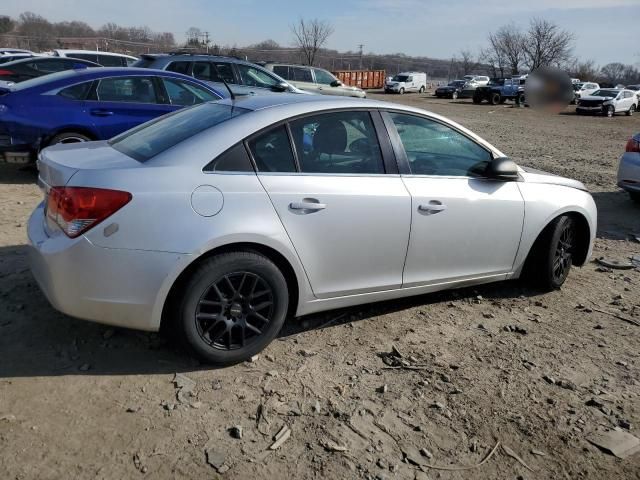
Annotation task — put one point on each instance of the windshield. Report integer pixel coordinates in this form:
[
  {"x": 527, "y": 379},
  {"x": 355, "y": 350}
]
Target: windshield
[
  {"x": 153, "y": 138},
  {"x": 578, "y": 86},
  {"x": 400, "y": 78},
  {"x": 496, "y": 81},
  {"x": 457, "y": 83},
  {"x": 605, "y": 93}
]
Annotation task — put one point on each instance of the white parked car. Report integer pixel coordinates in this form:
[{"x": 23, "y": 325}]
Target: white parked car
[
  {"x": 224, "y": 219},
  {"x": 609, "y": 101},
  {"x": 584, "y": 89},
  {"x": 629, "y": 168},
  {"x": 407, "y": 82},
  {"x": 106, "y": 59}
]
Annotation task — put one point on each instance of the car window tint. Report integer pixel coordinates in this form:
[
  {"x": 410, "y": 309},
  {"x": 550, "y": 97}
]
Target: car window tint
[
  {"x": 323, "y": 76},
  {"x": 151, "y": 138},
  {"x": 222, "y": 70},
  {"x": 202, "y": 70},
  {"x": 254, "y": 77},
  {"x": 183, "y": 93},
  {"x": 76, "y": 92},
  {"x": 178, "y": 67},
  {"x": 236, "y": 159},
  {"x": 84, "y": 56},
  {"x": 51, "y": 66},
  {"x": 300, "y": 74},
  {"x": 436, "y": 149},
  {"x": 272, "y": 151},
  {"x": 110, "y": 61},
  {"x": 341, "y": 142},
  {"x": 132, "y": 90},
  {"x": 282, "y": 71}
]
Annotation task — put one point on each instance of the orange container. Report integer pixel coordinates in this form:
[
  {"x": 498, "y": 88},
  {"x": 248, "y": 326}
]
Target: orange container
[{"x": 365, "y": 79}]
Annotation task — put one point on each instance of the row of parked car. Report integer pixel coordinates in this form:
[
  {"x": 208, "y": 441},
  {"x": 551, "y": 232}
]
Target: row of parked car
[{"x": 64, "y": 97}]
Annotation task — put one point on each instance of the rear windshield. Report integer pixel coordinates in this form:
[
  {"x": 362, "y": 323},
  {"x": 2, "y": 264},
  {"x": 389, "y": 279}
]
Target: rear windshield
[{"x": 150, "y": 139}]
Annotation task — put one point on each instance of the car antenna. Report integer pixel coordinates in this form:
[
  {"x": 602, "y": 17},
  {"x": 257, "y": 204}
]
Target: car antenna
[{"x": 231, "y": 94}]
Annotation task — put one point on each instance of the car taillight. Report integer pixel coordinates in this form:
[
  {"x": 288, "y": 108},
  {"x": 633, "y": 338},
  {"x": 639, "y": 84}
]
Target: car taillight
[
  {"x": 633, "y": 145},
  {"x": 77, "y": 209},
  {"x": 4, "y": 73}
]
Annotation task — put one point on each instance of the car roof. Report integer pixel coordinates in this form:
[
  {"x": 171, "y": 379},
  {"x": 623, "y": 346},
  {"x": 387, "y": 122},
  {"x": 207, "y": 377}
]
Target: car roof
[
  {"x": 40, "y": 58},
  {"x": 94, "y": 52}
]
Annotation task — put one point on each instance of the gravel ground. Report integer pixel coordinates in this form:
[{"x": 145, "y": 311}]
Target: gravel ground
[{"x": 379, "y": 391}]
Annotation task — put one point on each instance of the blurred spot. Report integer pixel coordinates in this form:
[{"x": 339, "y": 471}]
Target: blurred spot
[{"x": 548, "y": 88}]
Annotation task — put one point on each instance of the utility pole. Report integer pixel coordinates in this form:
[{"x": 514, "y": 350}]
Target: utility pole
[
  {"x": 206, "y": 40},
  {"x": 361, "y": 46}
]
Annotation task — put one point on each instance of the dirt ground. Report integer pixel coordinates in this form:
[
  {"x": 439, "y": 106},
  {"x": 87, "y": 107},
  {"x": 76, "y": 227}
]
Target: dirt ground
[{"x": 81, "y": 400}]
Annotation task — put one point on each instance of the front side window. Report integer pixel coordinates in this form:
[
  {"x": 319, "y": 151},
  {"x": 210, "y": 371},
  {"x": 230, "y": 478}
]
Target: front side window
[
  {"x": 272, "y": 151},
  {"x": 436, "y": 149},
  {"x": 282, "y": 71},
  {"x": 341, "y": 142},
  {"x": 300, "y": 74},
  {"x": 254, "y": 77},
  {"x": 222, "y": 70},
  {"x": 323, "y": 77},
  {"x": 130, "y": 90},
  {"x": 183, "y": 93}
]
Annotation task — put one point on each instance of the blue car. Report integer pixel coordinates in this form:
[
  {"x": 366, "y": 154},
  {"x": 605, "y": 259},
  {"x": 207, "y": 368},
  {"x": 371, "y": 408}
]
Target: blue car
[{"x": 88, "y": 104}]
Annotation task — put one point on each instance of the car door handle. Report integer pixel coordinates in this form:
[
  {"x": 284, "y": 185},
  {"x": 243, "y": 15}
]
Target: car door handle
[
  {"x": 308, "y": 206},
  {"x": 101, "y": 112},
  {"x": 434, "y": 206}
]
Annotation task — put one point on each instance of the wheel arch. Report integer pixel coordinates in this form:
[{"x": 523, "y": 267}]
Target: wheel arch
[
  {"x": 280, "y": 260},
  {"x": 583, "y": 238},
  {"x": 68, "y": 129}
]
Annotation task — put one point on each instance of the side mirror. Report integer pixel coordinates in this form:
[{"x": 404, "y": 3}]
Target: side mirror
[
  {"x": 281, "y": 87},
  {"x": 336, "y": 83},
  {"x": 502, "y": 168}
]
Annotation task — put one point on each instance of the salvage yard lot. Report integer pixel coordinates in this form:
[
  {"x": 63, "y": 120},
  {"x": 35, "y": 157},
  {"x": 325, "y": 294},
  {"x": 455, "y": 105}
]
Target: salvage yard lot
[{"x": 453, "y": 373}]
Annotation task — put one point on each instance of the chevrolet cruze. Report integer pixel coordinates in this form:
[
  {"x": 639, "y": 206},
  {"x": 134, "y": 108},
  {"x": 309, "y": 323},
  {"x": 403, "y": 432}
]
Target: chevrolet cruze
[{"x": 224, "y": 219}]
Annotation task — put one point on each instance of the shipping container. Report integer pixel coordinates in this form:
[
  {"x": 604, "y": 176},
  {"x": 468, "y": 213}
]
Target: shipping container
[{"x": 365, "y": 79}]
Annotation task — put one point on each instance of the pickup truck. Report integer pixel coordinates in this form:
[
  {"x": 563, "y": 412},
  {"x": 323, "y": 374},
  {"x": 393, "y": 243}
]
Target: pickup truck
[{"x": 498, "y": 90}]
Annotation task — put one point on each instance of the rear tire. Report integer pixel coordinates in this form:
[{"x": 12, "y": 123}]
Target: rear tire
[
  {"x": 551, "y": 257},
  {"x": 401, "y": 91},
  {"x": 233, "y": 305},
  {"x": 495, "y": 98},
  {"x": 477, "y": 99},
  {"x": 454, "y": 95},
  {"x": 422, "y": 89},
  {"x": 69, "y": 137}
]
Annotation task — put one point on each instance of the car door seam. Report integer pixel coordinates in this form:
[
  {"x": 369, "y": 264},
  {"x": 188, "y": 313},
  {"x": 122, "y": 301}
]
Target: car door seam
[
  {"x": 406, "y": 254},
  {"x": 524, "y": 219}
]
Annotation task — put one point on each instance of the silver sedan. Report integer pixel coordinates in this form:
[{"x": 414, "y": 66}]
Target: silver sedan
[{"x": 224, "y": 219}]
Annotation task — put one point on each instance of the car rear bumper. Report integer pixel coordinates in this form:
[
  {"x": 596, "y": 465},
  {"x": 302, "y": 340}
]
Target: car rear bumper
[
  {"x": 14, "y": 150},
  {"x": 112, "y": 286},
  {"x": 629, "y": 172}
]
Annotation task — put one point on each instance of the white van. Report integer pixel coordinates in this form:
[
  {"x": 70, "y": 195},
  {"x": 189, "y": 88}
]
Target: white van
[
  {"x": 407, "y": 82},
  {"x": 106, "y": 59}
]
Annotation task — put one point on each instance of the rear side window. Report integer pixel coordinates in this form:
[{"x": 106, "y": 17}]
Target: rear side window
[
  {"x": 236, "y": 159},
  {"x": 341, "y": 142},
  {"x": 52, "y": 66},
  {"x": 76, "y": 92},
  {"x": 152, "y": 138},
  {"x": 184, "y": 93},
  {"x": 111, "y": 61},
  {"x": 436, "y": 149},
  {"x": 84, "y": 56},
  {"x": 300, "y": 74},
  {"x": 131, "y": 90},
  {"x": 178, "y": 67},
  {"x": 272, "y": 151},
  {"x": 282, "y": 71}
]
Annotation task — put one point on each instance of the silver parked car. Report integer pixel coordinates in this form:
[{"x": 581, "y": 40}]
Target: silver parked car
[
  {"x": 314, "y": 80},
  {"x": 226, "y": 218},
  {"x": 629, "y": 168}
]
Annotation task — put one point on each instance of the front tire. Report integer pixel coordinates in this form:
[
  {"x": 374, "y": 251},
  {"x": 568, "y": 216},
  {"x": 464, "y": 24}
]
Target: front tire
[
  {"x": 495, "y": 99},
  {"x": 611, "y": 111},
  {"x": 631, "y": 110},
  {"x": 454, "y": 95},
  {"x": 233, "y": 305},
  {"x": 552, "y": 256},
  {"x": 422, "y": 89},
  {"x": 401, "y": 91}
]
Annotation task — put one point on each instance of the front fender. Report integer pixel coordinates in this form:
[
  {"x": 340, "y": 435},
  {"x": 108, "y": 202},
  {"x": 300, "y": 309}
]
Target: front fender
[{"x": 544, "y": 203}]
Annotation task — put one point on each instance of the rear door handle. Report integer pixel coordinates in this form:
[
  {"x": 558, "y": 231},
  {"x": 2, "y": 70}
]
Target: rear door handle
[
  {"x": 434, "y": 206},
  {"x": 308, "y": 206},
  {"x": 101, "y": 112}
]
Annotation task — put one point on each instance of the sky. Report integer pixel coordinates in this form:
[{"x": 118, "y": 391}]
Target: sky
[{"x": 605, "y": 30}]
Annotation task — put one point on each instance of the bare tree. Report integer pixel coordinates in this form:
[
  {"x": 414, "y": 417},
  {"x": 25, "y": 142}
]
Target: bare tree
[
  {"x": 467, "y": 62},
  {"x": 586, "y": 70},
  {"x": 310, "y": 36},
  {"x": 510, "y": 41},
  {"x": 546, "y": 44},
  {"x": 6, "y": 24},
  {"x": 613, "y": 72}
]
